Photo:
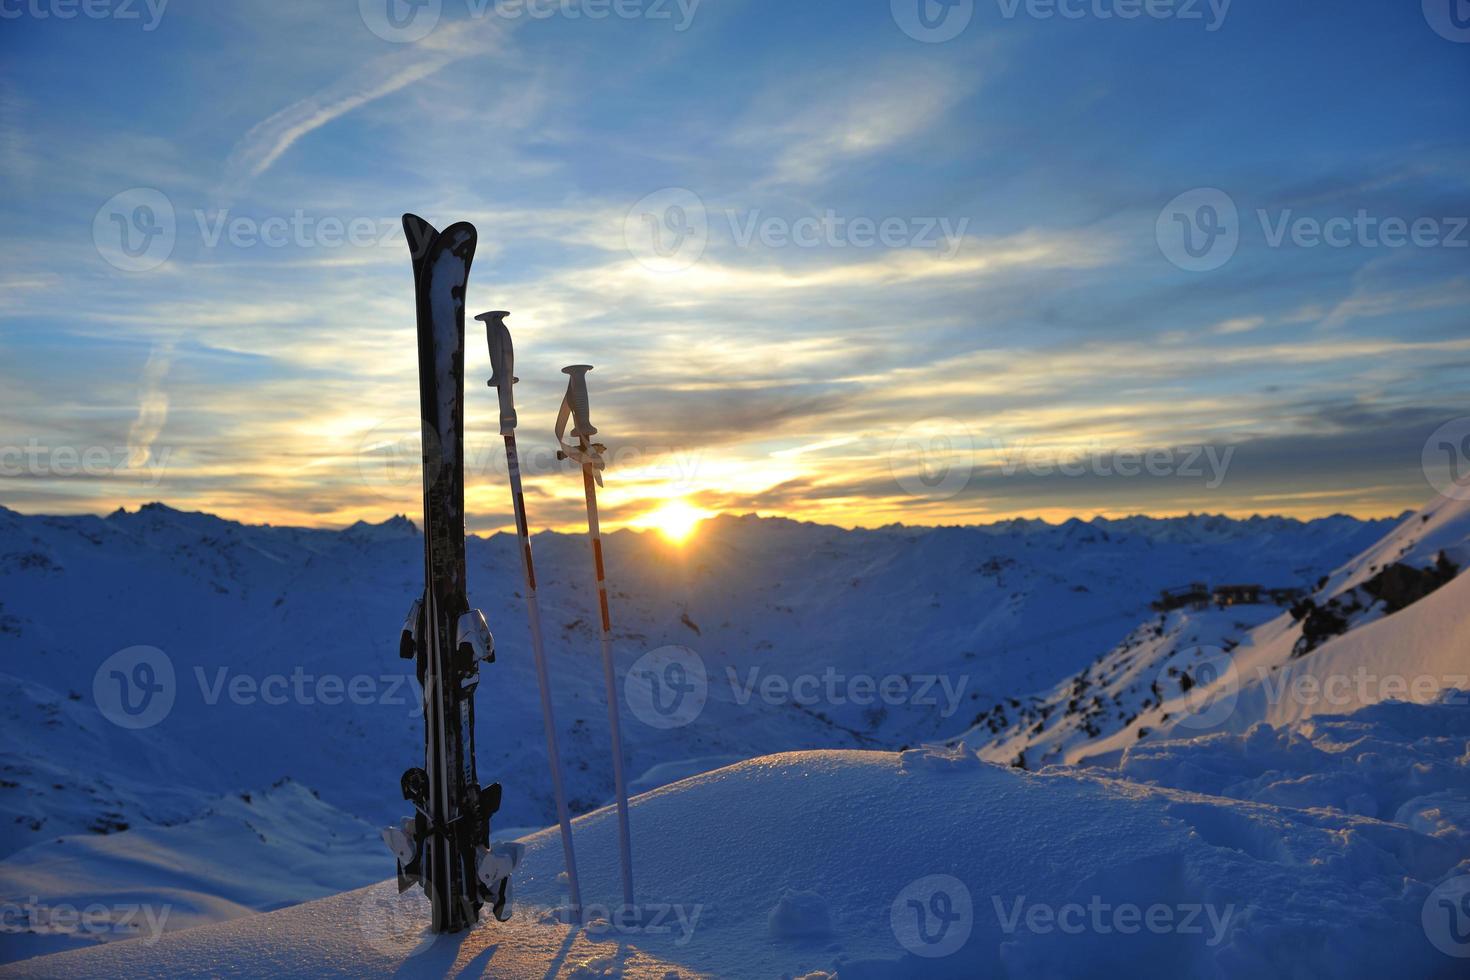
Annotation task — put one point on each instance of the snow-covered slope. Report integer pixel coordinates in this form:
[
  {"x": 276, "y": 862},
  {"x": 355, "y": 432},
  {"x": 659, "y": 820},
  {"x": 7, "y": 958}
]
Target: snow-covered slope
[
  {"x": 282, "y": 647},
  {"x": 1191, "y": 672},
  {"x": 932, "y": 863},
  {"x": 244, "y": 853}
]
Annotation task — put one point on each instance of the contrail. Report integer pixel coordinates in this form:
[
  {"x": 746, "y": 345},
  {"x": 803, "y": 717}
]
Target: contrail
[{"x": 152, "y": 406}]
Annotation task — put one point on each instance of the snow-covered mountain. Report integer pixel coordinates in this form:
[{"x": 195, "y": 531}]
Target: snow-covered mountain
[
  {"x": 280, "y": 650},
  {"x": 249, "y": 616},
  {"x": 1390, "y": 623}
]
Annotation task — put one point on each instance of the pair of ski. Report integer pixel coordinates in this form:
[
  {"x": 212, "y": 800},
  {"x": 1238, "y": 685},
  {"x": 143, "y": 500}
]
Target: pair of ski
[{"x": 445, "y": 847}]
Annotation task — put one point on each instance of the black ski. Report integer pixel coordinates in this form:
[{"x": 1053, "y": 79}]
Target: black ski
[{"x": 445, "y": 847}]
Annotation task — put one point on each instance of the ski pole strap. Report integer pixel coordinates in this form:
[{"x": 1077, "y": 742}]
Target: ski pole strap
[
  {"x": 502, "y": 367},
  {"x": 574, "y": 408}
]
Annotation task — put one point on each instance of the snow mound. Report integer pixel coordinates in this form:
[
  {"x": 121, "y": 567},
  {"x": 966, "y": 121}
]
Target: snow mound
[
  {"x": 938, "y": 758},
  {"x": 954, "y": 872},
  {"x": 799, "y": 914}
]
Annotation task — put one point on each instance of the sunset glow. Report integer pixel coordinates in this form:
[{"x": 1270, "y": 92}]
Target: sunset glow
[{"x": 675, "y": 520}]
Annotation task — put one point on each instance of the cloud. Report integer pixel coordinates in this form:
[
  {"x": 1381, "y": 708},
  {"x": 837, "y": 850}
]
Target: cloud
[
  {"x": 152, "y": 406},
  {"x": 892, "y": 103},
  {"x": 16, "y": 157},
  {"x": 267, "y": 140},
  {"x": 1240, "y": 324}
]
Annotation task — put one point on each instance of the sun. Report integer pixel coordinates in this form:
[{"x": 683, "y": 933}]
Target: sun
[{"x": 675, "y": 520}]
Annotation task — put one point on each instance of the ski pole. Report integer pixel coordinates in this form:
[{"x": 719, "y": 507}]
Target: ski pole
[
  {"x": 503, "y": 379},
  {"x": 589, "y": 455}
]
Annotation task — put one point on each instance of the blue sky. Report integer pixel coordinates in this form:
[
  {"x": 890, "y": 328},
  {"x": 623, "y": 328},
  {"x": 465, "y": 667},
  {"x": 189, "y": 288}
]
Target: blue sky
[{"x": 828, "y": 264}]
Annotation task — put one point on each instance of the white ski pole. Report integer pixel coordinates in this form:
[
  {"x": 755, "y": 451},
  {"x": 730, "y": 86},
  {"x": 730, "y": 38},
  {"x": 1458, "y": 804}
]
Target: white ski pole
[
  {"x": 502, "y": 367},
  {"x": 589, "y": 455}
]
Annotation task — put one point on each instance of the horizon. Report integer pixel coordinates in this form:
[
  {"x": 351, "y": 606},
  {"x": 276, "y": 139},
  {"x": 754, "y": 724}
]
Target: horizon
[
  {"x": 1036, "y": 266},
  {"x": 486, "y": 531}
]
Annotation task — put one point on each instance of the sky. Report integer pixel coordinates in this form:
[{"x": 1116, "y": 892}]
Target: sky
[{"x": 850, "y": 261}]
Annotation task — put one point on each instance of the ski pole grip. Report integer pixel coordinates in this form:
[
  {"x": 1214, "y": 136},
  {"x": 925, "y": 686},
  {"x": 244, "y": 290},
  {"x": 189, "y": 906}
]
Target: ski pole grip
[
  {"x": 502, "y": 367},
  {"x": 577, "y": 398}
]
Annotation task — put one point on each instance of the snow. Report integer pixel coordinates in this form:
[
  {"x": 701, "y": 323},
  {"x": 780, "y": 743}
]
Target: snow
[
  {"x": 799, "y": 915},
  {"x": 1305, "y": 828},
  {"x": 247, "y": 852},
  {"x": 1243, "y": 664},
  {"x": 803, "y": 864}
]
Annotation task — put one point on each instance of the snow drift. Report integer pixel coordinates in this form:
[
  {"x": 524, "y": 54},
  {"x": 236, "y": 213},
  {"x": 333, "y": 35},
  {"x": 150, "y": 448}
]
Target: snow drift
[{"x": 932, "y": 863}]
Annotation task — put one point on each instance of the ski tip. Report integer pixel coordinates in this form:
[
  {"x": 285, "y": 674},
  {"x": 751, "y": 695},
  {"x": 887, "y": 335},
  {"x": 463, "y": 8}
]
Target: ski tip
[
  {"x": 419, "y": 234},
  {"x": 460, "y": 234},
  {"x": 412, "y": 224}
]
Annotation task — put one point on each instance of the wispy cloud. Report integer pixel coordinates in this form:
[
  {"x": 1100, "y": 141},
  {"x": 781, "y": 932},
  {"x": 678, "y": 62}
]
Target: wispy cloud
[
  {"x": 17, "y": 161},
  {"x": 263, "y": 145},
  {"x": 152, "y": 406},
  {"x": 893, "y": 103}
]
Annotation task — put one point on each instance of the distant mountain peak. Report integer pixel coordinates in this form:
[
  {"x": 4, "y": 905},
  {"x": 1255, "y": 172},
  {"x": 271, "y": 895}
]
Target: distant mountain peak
[{"x": 397, "y": 526}]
